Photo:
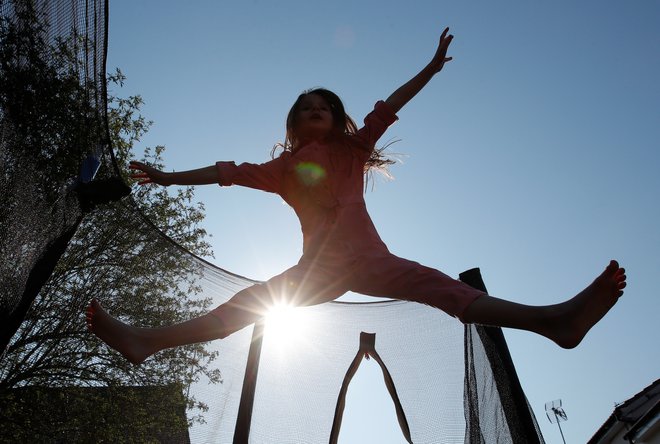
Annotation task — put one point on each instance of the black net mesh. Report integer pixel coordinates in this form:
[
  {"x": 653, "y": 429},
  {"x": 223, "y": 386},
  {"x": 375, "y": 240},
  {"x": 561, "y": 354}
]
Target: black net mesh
[
  {"x": 52, "y": 123},
  {"x": 453, "y": 383}
]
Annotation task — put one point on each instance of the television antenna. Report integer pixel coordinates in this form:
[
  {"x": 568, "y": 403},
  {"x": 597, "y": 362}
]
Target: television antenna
[{"x": 556, "y": 414}]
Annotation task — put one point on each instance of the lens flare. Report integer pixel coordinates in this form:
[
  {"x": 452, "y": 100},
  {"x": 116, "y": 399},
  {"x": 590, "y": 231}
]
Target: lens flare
[
  {"x": 285, "y": 325},
  {"x": 310, "y": 173}
]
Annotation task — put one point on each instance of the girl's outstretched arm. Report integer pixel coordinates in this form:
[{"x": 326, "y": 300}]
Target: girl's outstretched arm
[
  {"x": 147, "y": 174},
  {"x": 410, "y": 89}
]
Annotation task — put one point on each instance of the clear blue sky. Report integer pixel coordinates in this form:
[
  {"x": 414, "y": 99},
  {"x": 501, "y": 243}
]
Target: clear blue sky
[{"x": 534, "y": 155}]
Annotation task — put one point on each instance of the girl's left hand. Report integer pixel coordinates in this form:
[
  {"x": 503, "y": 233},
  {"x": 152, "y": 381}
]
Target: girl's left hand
[{"x": 440, "y": 57}]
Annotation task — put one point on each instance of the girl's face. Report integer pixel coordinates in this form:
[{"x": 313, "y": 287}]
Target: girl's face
[{"x": 314, "y": 118}]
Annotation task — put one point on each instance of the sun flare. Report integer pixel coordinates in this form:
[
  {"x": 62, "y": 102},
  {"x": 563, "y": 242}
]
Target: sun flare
[{"x": 285, "y": 325}]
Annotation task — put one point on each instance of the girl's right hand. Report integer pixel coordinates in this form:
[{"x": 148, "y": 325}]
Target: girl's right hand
[{"x": 147, "y": 174}]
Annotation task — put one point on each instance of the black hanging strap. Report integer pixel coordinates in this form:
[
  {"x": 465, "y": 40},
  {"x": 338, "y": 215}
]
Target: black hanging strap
[{"x": 368, "y": 349}]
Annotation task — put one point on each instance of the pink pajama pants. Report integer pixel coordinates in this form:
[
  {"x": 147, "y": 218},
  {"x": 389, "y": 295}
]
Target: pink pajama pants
[{"x": 323, "y": 279}]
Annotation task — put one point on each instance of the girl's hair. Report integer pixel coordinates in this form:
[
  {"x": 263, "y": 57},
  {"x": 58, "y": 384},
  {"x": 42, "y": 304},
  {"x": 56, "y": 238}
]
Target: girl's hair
[{"x": 343, "y": 126}]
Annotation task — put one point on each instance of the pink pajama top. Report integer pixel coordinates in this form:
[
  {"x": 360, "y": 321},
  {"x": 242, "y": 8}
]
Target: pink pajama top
[{"x": 324, "y": 183}]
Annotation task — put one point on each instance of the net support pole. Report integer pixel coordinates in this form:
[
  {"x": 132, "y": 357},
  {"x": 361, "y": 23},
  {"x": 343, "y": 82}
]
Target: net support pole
[
  {"x": 36, "y": 279},
  {"x": 244, "y": 419},
  {"x": 518, "y": 416}
]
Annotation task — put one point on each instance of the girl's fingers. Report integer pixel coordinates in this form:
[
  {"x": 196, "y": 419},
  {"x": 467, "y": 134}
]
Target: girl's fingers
[
  {"x": 444, "y": 38},
  {"x": 142, "y": 178},
  {"x": 144, "y": 174},
  {"x": 134, "y": 165},
  {"x": 444, "y": 33}
]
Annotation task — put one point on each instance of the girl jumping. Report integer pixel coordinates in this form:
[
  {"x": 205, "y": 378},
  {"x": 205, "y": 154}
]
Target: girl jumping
[{"x": 320, "y": 174}]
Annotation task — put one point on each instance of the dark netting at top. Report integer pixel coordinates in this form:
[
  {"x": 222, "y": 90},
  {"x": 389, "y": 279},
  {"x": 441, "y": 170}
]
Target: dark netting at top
[
  {"x": 52, "y": 136},
  {"x": 65, "y": 239}
]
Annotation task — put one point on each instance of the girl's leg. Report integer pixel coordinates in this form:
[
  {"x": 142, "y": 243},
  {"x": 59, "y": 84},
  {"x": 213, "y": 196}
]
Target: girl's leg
[
  {"x": 302, "y": 284},
  {"x": 565, "y": 323},
  {"x": 137, "y": 344}
]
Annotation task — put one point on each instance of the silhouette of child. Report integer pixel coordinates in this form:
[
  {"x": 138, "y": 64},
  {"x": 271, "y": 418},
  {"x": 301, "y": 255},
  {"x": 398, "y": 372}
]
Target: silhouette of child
[{"x": 320, "y": 174}]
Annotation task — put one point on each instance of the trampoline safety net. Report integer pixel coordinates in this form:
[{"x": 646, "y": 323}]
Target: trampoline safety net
[{"x": 65, "y": 235}]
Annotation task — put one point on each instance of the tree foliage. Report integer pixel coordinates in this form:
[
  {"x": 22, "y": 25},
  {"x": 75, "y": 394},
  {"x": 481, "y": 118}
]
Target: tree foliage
[
  {"x": 117, "y": 415},
  {"x": 120, "y": 254},
  {"x": 50, "y": 120},
  {"x": 50, "y": 114}
]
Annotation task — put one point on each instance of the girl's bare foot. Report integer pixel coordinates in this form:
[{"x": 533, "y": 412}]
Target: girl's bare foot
[
  {"x": 127, "y": 340},
  {"x": 570, "y": 321}
]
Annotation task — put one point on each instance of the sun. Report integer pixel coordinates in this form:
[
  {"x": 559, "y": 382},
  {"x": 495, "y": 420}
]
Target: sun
[{"x": 285, "y": 325}]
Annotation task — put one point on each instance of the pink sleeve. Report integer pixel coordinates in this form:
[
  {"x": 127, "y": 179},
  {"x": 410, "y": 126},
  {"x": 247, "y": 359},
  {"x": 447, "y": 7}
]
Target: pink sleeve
[
  {"x": 375, "y": 125},
  {"x": 266, "y": 176}
]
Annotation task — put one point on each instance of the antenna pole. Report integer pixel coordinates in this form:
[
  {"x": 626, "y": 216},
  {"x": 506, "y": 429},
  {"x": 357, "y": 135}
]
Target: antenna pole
[{"x": 554, "y": 410}]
